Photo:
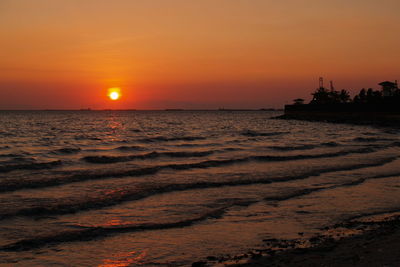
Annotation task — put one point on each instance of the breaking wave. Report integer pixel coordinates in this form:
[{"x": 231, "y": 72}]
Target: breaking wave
[
  {"x": 135, "y": 193},
  {"x": 85, "y": 233},
  {"x": 91, "y": 175}
]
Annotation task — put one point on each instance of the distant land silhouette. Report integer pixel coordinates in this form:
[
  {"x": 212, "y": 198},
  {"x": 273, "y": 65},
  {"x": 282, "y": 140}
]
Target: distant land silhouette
[{"x": 368, "y": 106}]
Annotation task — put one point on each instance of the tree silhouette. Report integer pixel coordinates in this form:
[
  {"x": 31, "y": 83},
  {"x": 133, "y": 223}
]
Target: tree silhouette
[
  {"x": 323, "y": 96},
  {"x": 363, "y": 95},
  {"x": 368, "y": 97},
  {"x": 344, "y": 96},
  {"x": 320, "y": 96}
]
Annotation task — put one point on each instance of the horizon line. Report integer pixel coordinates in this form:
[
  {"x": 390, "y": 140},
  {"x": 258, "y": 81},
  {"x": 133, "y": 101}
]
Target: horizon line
[{"x": 166, "y": 109}]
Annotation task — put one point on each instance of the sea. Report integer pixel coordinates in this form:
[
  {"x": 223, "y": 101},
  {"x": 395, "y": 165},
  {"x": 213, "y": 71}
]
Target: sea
[{"x": 169, "y": 188}]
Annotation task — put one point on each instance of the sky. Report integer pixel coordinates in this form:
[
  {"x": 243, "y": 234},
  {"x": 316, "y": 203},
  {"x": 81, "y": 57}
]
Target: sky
[{"x": 65, "y": 54}]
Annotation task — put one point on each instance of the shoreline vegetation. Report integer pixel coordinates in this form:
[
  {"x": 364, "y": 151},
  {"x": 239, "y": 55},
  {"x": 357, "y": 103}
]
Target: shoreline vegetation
[
  {"x": 376, "y": 107},
  {"x": 365, "y": 241}
]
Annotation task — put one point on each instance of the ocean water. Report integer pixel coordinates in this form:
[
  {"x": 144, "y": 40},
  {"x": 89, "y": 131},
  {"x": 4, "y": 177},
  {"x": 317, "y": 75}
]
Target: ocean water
[{"x": 168, "y": 188}]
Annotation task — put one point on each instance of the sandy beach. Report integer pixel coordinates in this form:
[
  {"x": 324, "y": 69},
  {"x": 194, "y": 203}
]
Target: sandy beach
[{"x": 369, "y": 241}]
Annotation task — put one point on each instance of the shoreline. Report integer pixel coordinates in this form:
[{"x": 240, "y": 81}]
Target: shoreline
[
  {"x": 335, "y": 118},
  {"x": 372, "y": 241}
]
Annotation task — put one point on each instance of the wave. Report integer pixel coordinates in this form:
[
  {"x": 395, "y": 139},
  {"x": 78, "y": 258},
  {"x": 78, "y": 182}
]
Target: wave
[
  {"x": 85, "y": 233},
  {"x": 294, "y": 194},
  {"x": 67, "y": 150},
  {"x": 314, "y": 156},
  {"x": 212, "y": 163},
  {"x": 387, "y": 214},
  {"x": 6, "y": 134},
  {"x": 87, "y": 137},
  {"x": 251, "y": 133},
  {"x": 198, "y": 145},
  {"x": 330, "y": 144},
  {"x": 170, "y": 139},
  {"x": 370, "y": 139},
  {"x": 10, "y": 155},
  {"x": 88, "y": 175},
  {"x": 290, "y": 148},
  {"x": 126, "y": 194},
  {"x": 151, "y": 155},
  {"x": 12, "y": 166},
  {"x": 130, "y": 148},
  {"x": 397, "y": 143},
  {"x": 304, "y": 147},
  {"x": 307, "y": 191}
]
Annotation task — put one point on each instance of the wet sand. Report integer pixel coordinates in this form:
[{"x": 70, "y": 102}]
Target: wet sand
[{"x": 368, "y": 242}]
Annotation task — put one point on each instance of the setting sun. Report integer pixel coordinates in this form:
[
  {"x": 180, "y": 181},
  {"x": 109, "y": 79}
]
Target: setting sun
[{"x": 114, "y": 93}]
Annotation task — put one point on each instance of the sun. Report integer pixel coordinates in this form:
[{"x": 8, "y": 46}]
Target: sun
[{"x": 114, "y": 93}]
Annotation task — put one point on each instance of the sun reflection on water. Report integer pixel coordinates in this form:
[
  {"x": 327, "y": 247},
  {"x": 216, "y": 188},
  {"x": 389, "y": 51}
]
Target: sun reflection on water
[
  {"x": 124, "y": 259},
  {"x": 114, "y": 223}
]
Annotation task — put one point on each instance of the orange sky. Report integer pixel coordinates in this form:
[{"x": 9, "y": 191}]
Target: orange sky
[{"x": 191, "y": 54}]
